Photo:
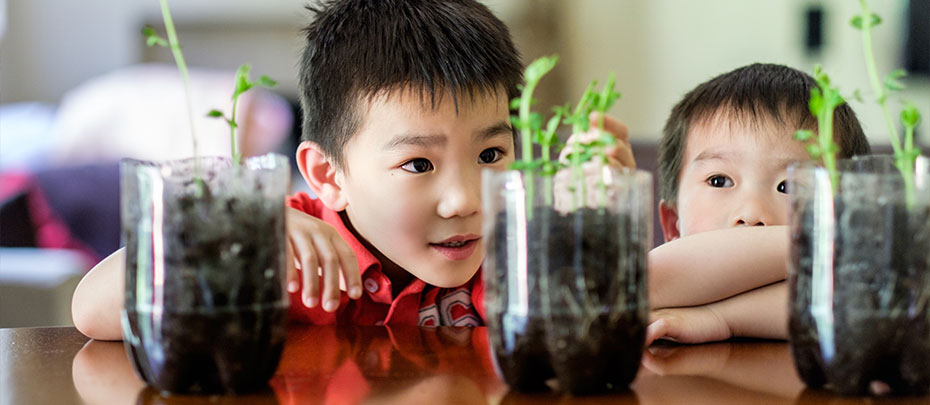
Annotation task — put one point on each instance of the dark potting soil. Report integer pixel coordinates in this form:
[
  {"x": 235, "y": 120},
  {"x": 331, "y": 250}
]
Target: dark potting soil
[
  {"x": 586, "y": 325},
  {"x": 229, "y": 352},
  {"x": 879, "y": 328},
  {"x": 222, "y": 301}
]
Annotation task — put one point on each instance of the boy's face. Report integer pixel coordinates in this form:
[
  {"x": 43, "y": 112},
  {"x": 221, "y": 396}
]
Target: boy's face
[
  {"x": 732, "y": 175},
  {"x": 412, "y": 180}
]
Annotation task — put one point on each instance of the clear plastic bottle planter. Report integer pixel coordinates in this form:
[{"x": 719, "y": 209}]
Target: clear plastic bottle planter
[
  {"x": 205, "y": 300},
  {"x": 859, "y": 276},
  {"x": 566, "y": 291}
]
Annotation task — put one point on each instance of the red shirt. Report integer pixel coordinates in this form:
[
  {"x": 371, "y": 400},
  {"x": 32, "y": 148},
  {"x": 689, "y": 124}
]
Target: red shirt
[{"x": 417, "y": 304}]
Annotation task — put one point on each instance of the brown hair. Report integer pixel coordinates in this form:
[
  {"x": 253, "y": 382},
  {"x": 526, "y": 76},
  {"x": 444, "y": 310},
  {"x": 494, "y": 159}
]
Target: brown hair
[
  {"x": 750, "y": 94},
  {"x": 358, "y": 48}
]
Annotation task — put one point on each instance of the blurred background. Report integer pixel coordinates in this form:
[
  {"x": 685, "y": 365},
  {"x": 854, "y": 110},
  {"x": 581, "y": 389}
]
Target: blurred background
[{"x": 79, "y": 90}]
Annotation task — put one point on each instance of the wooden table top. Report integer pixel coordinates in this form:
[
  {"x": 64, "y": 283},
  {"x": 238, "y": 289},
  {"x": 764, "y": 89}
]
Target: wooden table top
[{"x": 406, "y": 365}]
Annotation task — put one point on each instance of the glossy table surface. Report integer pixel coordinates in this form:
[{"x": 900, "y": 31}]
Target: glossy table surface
[{"x": 406, "y": 365}]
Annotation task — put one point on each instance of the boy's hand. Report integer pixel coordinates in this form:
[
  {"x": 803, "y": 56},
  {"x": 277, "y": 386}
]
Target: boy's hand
[
  {"x": 317, "y": 249},
  {"x": 687, "y": 325},
  {"x": 619, "y": 155},
  {"x": 706, "y": 359}
]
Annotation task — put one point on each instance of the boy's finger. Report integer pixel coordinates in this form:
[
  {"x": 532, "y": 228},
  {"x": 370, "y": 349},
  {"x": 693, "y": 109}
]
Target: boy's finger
[
  {"x": 612, "y": 125},
  {"x": 656, "y": 330},
  {"x": 622, "y": 154},
  {"x": 291, "y": 269},
  {"x": 308, "y": 264},
  {"x": 329, "y": 262},
  {"x": 351, "y": 273}
]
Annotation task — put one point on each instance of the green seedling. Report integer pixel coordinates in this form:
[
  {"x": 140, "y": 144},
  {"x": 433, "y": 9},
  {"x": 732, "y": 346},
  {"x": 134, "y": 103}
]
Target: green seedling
[
  {"x": 578, "y": 119},
  {"x": 243, "y": 84},
  {"x": 825, "y": 98},
  {"x": 602, "y": 102},
  {"x": 152, "y": 39},
  {"x": 905, "y": 155},
  {"x": 532, "y": 132},
  {"x": 528, "y": 122}
]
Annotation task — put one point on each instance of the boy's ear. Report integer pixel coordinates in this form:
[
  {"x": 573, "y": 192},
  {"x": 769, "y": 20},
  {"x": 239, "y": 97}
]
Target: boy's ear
[
  {"x": 321, "y": 175},
  {"x": 668, "y": 217}
]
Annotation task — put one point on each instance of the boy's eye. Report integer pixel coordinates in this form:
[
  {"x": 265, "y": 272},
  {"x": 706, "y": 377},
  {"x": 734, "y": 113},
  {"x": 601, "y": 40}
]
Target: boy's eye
[
  {"x": 782, "y": 187},
  {"x": 719, "y": 181},
  {"x": 419, "y": 165},
  {"x": 490, "y": 155}
]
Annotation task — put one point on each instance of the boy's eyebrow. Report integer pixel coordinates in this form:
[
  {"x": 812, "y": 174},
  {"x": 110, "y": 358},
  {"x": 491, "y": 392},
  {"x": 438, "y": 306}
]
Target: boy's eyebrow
[
  {"x": 438, "y": 140},
  {"x": 424, "y": 141},
  {"x": 498, "y": 129},
  {"x": 711, "y": 155}
]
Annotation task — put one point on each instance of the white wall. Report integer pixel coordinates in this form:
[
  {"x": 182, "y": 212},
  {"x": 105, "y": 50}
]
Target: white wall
[
  {"x": 52, "y": 45},
  {"x": 663, "y": 48},
  {"x": 659, "y": 48}
]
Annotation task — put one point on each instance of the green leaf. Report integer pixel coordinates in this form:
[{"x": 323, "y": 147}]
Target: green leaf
[
  {"x": 608, "y": 96},
  {"x": 835, "y": 99},
  {"x": 266, "y": 82},
  {"x": 515, "y": 103},
  {"x": 562, "y": 110},
  {"x": 215, "y": 114},
  {"x": 551, "y": 139},
  {"x": 539, "y": 137},
  {"x": 816, "y": 102},
  {"x": 242, "y": 80},
  {"x": 892, "y": 82},
  {"x": 857, "y": 95},
  {"x": 516, "y": 122},
  {"x": 821, "y": 77},
  {"x": 549, "y": 168},
  {"x": 587, "y": 155},
  {"x": 521, "y": 165},
  {"x": 813, "y": 150},
  {"x": 857, "y": 21},
  {"x": 535, "y": 121},
  {"x": 910, "y": 116},
  {"x": 539, "y": 67},
  {"x": 552, "y": 125},
  {"x": 152, "y": 38},
  {"x": 803, "y": 135}
]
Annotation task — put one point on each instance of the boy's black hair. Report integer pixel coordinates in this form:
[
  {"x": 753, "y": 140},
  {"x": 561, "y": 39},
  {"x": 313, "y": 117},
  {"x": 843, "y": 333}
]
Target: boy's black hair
[
  {"x": 750, "y": 94},
  {"x": 359, "y": 48}
]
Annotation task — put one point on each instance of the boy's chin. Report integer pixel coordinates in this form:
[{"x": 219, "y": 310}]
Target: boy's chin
[{"x": 447, "y": 280}]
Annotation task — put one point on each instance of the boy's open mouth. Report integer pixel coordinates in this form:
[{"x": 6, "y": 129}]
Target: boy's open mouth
[{"x": 457, "y": 247}]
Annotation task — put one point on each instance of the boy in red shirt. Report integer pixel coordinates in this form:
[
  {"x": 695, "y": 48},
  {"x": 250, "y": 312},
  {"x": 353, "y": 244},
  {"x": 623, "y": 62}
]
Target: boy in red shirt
[{"x": 404, "y": 102}]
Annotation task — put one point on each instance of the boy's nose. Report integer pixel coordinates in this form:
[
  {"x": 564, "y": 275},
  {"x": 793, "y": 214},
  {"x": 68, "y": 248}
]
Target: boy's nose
[
  {"x": 752, "y": 213},
  {"x": 460, "y": 197}
]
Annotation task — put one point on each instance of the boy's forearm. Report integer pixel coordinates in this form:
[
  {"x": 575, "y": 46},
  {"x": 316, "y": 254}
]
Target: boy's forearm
[
  {"x": 711, "y": 266},
  {"x": 98, "y": 299},
  {"x": 760, "y": 313}
]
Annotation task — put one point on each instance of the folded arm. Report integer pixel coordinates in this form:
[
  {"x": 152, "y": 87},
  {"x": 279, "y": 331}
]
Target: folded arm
[
  {"x": 711, "y": 266},
  {"x": 760, "y": 313},
  {"x": 98, "y": 299}
]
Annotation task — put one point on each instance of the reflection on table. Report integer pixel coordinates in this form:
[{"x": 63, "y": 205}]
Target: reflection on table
[{"x": 406, "y": 365}]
